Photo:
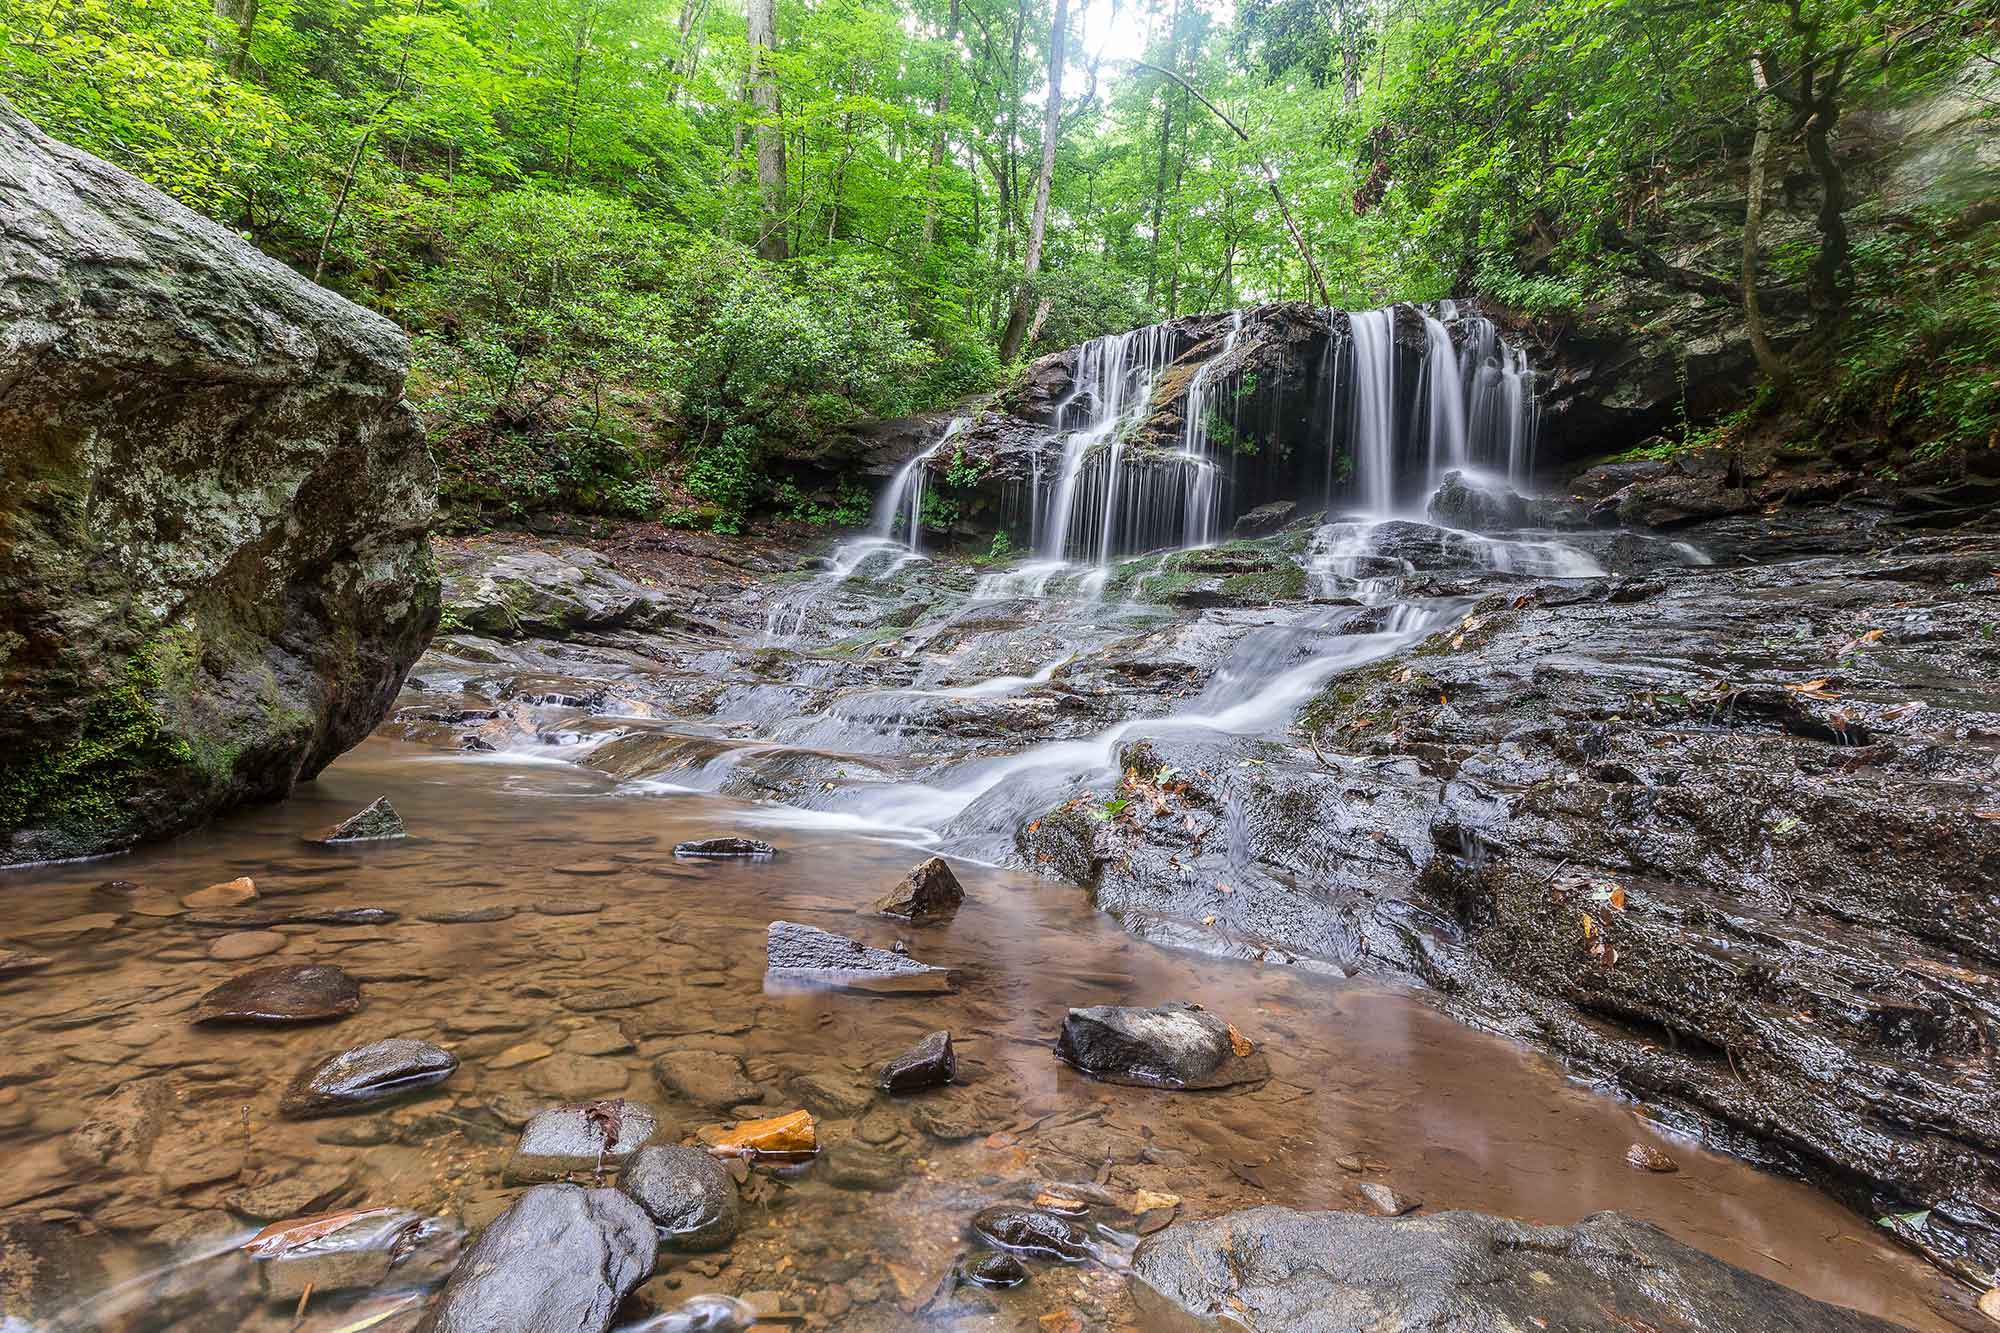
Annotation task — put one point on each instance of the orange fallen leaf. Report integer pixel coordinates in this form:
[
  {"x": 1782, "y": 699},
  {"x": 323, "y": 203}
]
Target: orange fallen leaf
[
  {"x": 1239, "y": 1043},
  {"x": 1986, "y": 814},
  {"x": 1062, "y": 1321},
  {"x": 792, "y": 1134},
  {"x": 1001, "y": 1139},
  {"x": 1618, "y": 899},
  {"x": 1809, "y": 687}
]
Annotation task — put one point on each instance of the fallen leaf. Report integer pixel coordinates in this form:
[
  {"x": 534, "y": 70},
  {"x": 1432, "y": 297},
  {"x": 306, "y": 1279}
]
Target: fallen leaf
[
  {"x": 1989, "y": 1305},
  {"x": 279, "y": 1237},
  {"x": 1062, "y": 1321},
  {"x": 1239, "y": 1043},
  {"x": 1986, "y": 814},
  {"x": 1618, "y": 899},
  {"x": 792, "y": 1134},
  {"x": 1645, "y": 1157}
]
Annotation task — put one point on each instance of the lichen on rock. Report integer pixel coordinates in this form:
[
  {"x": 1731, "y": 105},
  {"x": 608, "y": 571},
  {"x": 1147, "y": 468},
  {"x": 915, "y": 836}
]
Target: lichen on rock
[{"x": 214, "y": 512}]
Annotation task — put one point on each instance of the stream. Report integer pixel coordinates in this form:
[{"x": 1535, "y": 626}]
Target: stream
[{"x": 862, "y": 710}]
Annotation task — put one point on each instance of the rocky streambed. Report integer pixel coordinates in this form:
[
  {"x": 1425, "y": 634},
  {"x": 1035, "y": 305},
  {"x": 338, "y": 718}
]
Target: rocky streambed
[{"x": 1528, "y": 876}]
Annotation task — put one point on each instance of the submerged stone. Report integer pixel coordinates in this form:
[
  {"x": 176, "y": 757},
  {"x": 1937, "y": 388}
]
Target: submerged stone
[
  {"x": 726, "y": 849},
  {"x": 930, "y": 1063},
  {"x": 298, "y": 993},
  {"x": 1033, "y": 1232},
  {"x": 688, "y": 1194},
  {"x": 574, "y": 1141},
  {"x": 366, "y": 1075},
  {"x": 713, "y": 1079},
  {"x": 1175, "y": 1045},
  {"x": 559, "y": 1261},
  {"x": 378, "y": 822},
  {"x": 1286, "y": 1271},
  {"x": 235, "y": 893},
  {"x": 929, "y": 892},
  {"x": 810, "y": 956}
]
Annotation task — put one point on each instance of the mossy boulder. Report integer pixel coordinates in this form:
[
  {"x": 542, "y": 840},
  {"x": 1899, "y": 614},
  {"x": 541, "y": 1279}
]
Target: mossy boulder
[{"x": 214, "y": 513}]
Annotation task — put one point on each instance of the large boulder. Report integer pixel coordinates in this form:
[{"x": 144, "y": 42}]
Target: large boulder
[
  {"x": 1276, "y": 1269},
  {"x": 214, "y": 512},
  {"x": 559, "y": 1261}
]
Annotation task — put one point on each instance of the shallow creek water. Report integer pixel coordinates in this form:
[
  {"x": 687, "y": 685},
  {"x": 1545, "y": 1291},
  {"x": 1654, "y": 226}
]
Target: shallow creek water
[{"x": 1439, "y": 1112}]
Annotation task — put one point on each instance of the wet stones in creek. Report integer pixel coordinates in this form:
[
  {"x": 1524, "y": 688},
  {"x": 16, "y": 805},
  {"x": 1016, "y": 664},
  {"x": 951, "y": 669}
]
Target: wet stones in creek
[
  {"x": 366, "y": 1075},
  {"x": 571, "y": 1141},
  {"x": 1177, "y": 1045},
  {"x": 1278, "y": 1269},
  {"x": 813, "y": 957},
  {"x": 725, "y": 849},
  {"x": 928, "y": 1064},
  {"x": 379, "y": 822},
  {"x": 712, "y": 1079},
  {"x": 299, "y": 993},
  {"x": 688, "y": 1194},
  {"x": 347, "y": 1250},
  {"x": 930, "y": 892},
  {"x": 559, "y": 1261},
  {"x": 1033, "y": 1232},
  {"x": 999, "y": 1271},
  {"x": 235, "y": 893}
]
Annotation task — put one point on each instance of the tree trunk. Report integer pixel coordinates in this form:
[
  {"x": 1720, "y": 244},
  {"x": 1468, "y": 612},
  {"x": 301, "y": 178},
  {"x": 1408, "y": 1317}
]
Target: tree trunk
[
  {"x": 772, "y": 240},
  {"x": 1038, "y": 221},
  {"x": 1833, "y": 271},
  {"x": 1753, "y": 225},
  {"x": 942, "y": 108},
  {"x": 244, "y": 30},
  {"x": 1160, "y": 179}
]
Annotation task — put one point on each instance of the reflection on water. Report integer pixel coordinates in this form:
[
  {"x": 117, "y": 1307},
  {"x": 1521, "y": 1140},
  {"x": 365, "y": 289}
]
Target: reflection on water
[{"x": 616, "y": 954}]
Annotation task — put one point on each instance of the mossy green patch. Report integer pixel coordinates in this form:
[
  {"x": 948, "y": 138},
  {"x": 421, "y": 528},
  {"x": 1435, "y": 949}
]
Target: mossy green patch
[{"x": 79, "y": 788}]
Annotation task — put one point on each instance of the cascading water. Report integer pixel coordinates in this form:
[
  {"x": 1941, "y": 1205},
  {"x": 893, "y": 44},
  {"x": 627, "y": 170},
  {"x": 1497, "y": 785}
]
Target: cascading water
[
  {"x": 1444, "y": 393},
  {"x": 1373, "y": 430},
  {"x": 899, "y": 508},
  {"x": 1203, "y": 492}
]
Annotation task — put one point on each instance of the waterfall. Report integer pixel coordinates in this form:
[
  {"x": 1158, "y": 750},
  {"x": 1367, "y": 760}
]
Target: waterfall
[
  {"x": 1199, "y": 525},
  {"x": 1114, "y": 380},
  {"x": 1373, "y": 407},
  {"x": 903, "y": 501},
  {"x": 1445, "y": 393},
  {"x": 1504, "y": 416}
]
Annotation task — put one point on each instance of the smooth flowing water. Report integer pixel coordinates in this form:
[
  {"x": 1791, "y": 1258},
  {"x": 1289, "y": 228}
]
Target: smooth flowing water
[{"x": 606, "y": 952}]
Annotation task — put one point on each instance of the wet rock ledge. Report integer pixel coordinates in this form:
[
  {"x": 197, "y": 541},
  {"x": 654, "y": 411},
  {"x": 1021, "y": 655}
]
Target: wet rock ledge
[{"x": 216, "y": 569}]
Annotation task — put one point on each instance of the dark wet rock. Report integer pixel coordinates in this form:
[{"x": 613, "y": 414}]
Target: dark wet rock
[
  {"x": 712, "y": 1079},
  {"x": 569, "y": 1142},
  {"x": 688, "y": 1194},
  {"x": 296, "y": 993},
  {"x": 559, "y": 1261},
  {"x": 1174, "y": 1046},
  {"x": 378, "y": 822},
  {"x": 810, "y": 956},
  {"x": 119, "y": 1134},
  {"x": 930, "y": 1063},
  {"x": 366, "y": 1075},
  {"x": 237, "y": 571},
  {"x": 1279, "y": 1269},
  {"x": 468, "y": 916},
  {"x": 1461, "y": 502},
  {"x": 725, "y": 849},
  {"x": 929, "y": 892},
  {"x": 1037, "y": 1233},
  {"x": 1266, "y": 519},
  {"x": 999, "y": 1271},
  {"x": 361, "y": 1248}
]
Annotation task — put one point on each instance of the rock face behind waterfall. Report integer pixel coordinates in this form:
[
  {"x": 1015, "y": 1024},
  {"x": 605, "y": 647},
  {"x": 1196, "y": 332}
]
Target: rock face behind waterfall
[{"x": 214, "y": 508}]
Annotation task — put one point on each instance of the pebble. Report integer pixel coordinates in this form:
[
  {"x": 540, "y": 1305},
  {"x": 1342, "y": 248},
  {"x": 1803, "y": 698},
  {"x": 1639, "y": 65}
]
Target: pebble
[
  {"x": 235, "y": 893},
  {"x": 526, "y": 1053},
  {"x": 246, "y": 944}
]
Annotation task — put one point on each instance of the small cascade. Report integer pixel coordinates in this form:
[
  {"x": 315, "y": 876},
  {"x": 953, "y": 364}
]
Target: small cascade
[
  {"x": 1114, "y": 381},
  {"x": 1503, "y": 416},
  {"x": 1372, "y": 429},
  {"x": 899, "y": 508},
  {"x": 902, "y": 504},
  {"x": 1444, "y": 394},
  {"x": 1197, "y": 451}
]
